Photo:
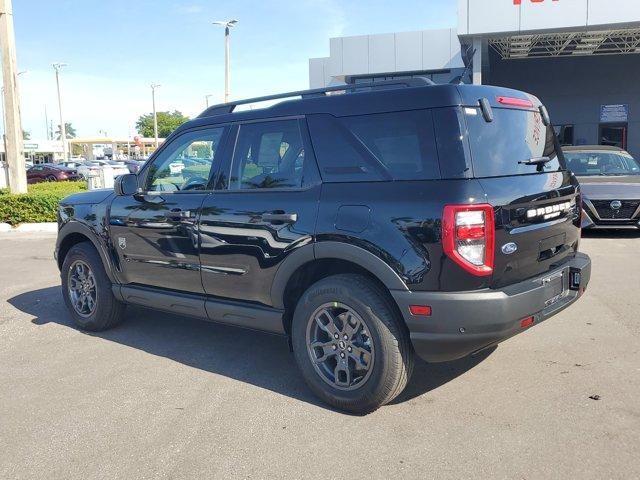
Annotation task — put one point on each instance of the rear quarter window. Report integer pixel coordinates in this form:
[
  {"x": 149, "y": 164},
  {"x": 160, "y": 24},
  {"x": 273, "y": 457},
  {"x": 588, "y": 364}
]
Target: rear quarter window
[{"x": 375, "y": 147}]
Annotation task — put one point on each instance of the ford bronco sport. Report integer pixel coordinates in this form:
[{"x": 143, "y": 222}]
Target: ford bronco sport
[{"x": 367, "y": 223}]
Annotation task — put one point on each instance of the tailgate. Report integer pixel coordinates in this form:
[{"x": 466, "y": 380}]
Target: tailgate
[
  {"x": 537, "y": 223},
  {"x": 519, "y": 164}
]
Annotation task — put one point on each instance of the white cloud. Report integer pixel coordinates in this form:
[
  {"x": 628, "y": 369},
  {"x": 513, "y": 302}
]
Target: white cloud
[
  {"x": 190, "y": 8},
  {"x": 114, "y": 103},
  {"x": 330, "y": 13}
]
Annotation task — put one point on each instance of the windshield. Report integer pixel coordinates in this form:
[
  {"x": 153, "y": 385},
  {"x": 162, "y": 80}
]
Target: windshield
[
  {"x": 502, "y": 147},
  {"x": 601, "y": 163}
]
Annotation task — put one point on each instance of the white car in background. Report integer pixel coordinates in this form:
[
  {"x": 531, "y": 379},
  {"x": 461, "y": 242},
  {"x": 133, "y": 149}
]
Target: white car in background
[{"x": 93, "y": 167}]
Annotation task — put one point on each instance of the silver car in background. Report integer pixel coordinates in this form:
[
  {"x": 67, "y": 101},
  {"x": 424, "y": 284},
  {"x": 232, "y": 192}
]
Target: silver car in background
[{"x": 610, "y": 183}]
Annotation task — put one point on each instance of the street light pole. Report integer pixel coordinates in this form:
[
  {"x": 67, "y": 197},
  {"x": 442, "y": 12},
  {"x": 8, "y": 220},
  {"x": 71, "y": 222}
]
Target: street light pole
[
  {"x": 206, "y": 99},
  {"x": 11, "y": 101},
  {"x": 46, "y": 122},
  {"x": 63, "y": 127},
  {"x": 227, "y": 65},
  {"x": 155, "y": 115}
]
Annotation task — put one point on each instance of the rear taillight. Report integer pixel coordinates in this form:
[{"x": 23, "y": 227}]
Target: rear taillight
[{"x": 468, "y": 237}]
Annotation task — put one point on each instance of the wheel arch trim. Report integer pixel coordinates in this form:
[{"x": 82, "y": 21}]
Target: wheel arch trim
[
  {"x": 338, "y": 251},
  {"x": 75, "y": 227}
]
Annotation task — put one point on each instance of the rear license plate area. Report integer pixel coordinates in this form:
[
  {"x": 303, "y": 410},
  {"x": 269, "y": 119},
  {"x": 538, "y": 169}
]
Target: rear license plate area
[
  {"x": 554, "y": 287},
  {"x": 550, "y": 247}
]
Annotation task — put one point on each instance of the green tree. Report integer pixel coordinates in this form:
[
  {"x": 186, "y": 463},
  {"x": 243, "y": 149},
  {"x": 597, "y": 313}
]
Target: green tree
[
  {"x": 167, "y": 123},
  {"x": 26, "y": 135},
  {"x": 69, "y": 130}
]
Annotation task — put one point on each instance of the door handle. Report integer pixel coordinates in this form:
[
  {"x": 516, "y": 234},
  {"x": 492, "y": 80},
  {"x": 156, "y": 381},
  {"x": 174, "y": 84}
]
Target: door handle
[{"x": 280, "y": 217}]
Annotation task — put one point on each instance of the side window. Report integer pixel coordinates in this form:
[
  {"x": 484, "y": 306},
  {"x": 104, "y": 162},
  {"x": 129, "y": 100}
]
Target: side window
[
  {"x": 394, "y": 145},
  {"x": 268, "y": 155},
  {"x": 453, "y": 150},
  {"x": 187, "y": 163}
]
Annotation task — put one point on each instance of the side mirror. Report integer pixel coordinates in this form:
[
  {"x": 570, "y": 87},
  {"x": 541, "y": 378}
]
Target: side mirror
[{"x": 126, "y": 185}]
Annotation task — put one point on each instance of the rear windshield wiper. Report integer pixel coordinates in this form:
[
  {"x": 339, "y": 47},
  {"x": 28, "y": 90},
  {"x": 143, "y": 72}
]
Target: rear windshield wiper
[
  {"x": 539, "y": 162},
  {"x": 536, "y": 161}
]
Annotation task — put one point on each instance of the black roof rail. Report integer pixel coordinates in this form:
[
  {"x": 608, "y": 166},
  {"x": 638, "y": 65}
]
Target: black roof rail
[{"x": 316, "y": 92}]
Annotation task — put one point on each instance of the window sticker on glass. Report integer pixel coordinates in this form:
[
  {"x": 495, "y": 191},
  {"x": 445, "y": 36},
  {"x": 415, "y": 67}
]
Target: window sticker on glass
[{"x": 471, "y": 111}]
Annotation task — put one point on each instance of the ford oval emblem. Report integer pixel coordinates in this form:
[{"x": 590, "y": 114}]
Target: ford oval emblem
[{"x": 509, "y": 248}]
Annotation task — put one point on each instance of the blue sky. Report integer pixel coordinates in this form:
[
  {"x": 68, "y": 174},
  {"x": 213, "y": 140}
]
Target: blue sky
[{"x": 116, "y": 48}]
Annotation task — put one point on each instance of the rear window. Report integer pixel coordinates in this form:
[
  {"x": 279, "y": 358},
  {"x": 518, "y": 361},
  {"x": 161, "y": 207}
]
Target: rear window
[
  {"x": 601, "y": 163},
  {"x": 498, "y": 148},
  {"x": 385, "y": 146}
]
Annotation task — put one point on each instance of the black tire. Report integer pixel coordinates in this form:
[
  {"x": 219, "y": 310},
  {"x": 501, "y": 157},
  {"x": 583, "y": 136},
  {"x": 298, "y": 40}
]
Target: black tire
[
  {"x": 107, "y": 311},
  {"x": 392, "y": 353}
]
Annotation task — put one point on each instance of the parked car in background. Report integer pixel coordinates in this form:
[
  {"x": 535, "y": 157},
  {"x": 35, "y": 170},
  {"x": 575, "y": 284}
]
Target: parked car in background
[
  {"x": 134, "y": 166},
  {"x": 610, "y": 180},
  {"x": 49, "y": 172},
  {"x": 75, "y": 164},
  {"x": 93, "y": 167}
]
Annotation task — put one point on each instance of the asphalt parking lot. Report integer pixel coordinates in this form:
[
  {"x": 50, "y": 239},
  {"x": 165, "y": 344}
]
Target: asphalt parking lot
[{"x": 170, "y": 397}]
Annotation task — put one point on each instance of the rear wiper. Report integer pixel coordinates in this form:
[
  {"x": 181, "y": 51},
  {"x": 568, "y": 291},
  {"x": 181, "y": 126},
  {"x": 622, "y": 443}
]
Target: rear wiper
[
  {"x": 539, "y": 162},
  {"x": 536, "y": 161}
]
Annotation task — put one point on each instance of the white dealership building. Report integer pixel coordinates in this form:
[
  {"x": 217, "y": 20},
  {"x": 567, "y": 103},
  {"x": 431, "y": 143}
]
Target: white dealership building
[{"x": 581, "y": 57}]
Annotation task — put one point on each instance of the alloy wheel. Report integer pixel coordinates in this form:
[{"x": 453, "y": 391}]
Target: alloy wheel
[
  {"x": 82, "y": 288},
  {"x": 340, "y": 346}
]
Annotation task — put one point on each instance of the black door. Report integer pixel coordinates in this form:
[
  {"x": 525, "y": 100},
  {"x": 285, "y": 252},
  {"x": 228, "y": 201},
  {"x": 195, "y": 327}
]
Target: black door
[
  {"x": 155, "y": 232},
  {"x": 264, "y": 208}
]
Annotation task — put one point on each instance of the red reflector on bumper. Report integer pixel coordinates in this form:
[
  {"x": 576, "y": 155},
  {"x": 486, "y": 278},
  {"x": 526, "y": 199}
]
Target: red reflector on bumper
[
  {"x": 526, "y": 322},
  {"x": 424, "y": 310}
]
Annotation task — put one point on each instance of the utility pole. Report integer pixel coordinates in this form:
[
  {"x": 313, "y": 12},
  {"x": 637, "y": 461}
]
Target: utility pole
[
  {"x": 11, "y": 101},
  {"x": 63, "y": 127},
  {"x": 227, "y": 65},
  {"x": 46, "y": 122},
  {"x": 4, "y": 126},
  {"x": 155, "y": 115}
]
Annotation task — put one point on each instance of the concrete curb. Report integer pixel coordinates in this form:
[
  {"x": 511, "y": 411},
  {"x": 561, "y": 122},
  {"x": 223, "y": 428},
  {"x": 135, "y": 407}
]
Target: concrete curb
[{"x": 49, "y": 227}]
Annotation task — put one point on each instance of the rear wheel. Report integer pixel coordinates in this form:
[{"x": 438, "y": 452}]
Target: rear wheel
[
  {"x": 353, "y": 351},
  {"x": 86, "y": 289}
]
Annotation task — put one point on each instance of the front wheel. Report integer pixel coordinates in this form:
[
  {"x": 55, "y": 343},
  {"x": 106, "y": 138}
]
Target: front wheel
[
  {"x": 86, "y": 289},
  {"x": 351, "y": 347}
]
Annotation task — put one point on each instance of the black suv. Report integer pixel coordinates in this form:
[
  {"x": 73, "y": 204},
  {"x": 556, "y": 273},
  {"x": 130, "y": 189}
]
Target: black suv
[{"x": 366, "y": 223}]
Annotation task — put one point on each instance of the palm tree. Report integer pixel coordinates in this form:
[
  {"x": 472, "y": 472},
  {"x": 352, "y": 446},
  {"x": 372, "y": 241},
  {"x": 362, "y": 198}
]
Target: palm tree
[{"x": 69, "y": 130}]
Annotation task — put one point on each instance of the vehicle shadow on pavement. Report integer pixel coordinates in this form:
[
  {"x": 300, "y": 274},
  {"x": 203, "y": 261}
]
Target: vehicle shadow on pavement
[{"x": 257, "y": 358}]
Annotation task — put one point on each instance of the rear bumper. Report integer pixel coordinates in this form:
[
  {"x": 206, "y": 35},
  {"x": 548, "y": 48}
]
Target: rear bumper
[{"x": 462, "y": 323}]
